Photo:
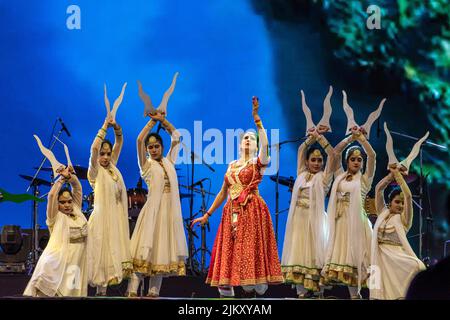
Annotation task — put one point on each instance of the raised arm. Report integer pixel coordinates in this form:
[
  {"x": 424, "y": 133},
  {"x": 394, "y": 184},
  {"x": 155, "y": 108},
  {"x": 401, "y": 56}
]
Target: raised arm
[
  {"x": 330, "y": 166},
  {"x": 95, "y": 150},
  {"x": 141, "y": 142},
  {"x": 338, "y": 149},
  {"x": 118, "y": 142},
  {"x": 263, "y": 154},
  {"x": 370, "y": 168},
  {"x": 220, "y": 198},
  {"x": 407, "y": 214},
  {"x": 52, "y": 201},
  {"x": 77, "y": 191},
  {"x": 379, "y": 192},
  {"x": 172, "y": 155}
]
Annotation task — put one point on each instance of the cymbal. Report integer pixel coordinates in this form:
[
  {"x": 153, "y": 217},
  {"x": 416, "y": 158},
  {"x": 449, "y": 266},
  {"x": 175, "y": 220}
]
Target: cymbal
[
  {"x": 410, "y": 178},
  {"x": 285, "y": 181},
  {"x": 37, "y": 181},
  {"x": 81, "y": 172}
]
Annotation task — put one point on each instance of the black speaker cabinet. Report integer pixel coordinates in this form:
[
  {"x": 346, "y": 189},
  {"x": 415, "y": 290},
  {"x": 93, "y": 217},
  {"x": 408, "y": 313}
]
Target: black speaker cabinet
[{"x": 22, "y": 254}]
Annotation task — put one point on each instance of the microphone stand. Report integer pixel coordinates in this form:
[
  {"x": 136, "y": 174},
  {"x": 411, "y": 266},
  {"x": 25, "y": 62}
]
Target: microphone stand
[
  {"x": 203, "y": 249},
  {"x": 191, "y": 245},
  {"x": 33, "y": 255},
  {"x": 277, "y": 181},
  {"x": 422, "y": 181}
]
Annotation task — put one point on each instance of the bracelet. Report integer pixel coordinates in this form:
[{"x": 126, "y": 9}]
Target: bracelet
[
  {"x": 209, "y": 214},
  {"x": 100, "y": 137},
  {"x": 104, "y": 130},
  {"x": 326, "y": 146}
]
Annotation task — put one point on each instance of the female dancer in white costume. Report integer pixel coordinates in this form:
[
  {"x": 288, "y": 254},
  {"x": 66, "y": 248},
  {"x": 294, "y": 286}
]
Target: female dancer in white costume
[
  {"x": 158, "y": 244},
  {"x": 348, "y": 249},
  {"x": 109, "y": 259},
  {"x": 62, "y": 270},
  {"x": 393, "y": 261},
  {"x": 306, "y": 227}
]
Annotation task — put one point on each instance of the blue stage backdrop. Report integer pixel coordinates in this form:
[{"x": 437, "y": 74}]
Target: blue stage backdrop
[{"x": 225, "y": 52}]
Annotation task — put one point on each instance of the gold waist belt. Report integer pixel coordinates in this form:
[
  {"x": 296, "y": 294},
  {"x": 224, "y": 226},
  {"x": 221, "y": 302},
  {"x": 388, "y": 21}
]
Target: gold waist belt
[
  {"x": 303, "y": 203},
  {"x": 343, "y": 197},
  {"x": 389, "y": 242},
  {"x": 77, "y": 240}
]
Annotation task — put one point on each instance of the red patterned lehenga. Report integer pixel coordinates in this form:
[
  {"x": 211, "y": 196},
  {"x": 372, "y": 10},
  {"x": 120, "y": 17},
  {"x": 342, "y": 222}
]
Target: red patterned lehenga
[{"x": 245, "y": 251}]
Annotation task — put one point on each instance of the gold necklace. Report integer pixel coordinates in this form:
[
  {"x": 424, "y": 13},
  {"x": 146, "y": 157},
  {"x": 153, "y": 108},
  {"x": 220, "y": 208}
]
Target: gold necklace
[{"x": 112, "y": 174}]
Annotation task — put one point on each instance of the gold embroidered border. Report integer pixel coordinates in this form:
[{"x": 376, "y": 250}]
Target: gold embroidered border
[
  {"x": 246, "y": 282},
  {"x": 310, "y": 282},
  {"x": 146, "y": 268},
  {"x": 127, "y": 270},
  {"x": 340, "y": 274}
]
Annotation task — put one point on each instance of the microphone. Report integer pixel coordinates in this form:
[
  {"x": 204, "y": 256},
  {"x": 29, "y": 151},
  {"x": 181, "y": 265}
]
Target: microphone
[
  {"x": 199, "y": 182},
  {"x": 64, "y": 128}
]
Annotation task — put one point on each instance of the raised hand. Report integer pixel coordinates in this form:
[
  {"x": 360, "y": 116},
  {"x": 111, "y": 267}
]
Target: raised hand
[
  {"x": 255, "y": 105},
  {"x": 158, "y": 116},
  {"x": 65, "y": 173},
  {"x": 112, "y": 123},
  {"x": 322, "y": 129},
  {"x": 314, "y": 133},
  {"x": 363, "y": 131},
  {"x": 355, "y": 131}
]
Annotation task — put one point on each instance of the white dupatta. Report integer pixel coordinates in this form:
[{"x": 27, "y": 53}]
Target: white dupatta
[
  {"x": 357, "y": 220},
  {"x": 52, "y": 264},
  {"x": 153, "y": 174},
  {"x": 396, "y": 221},
  {"x": 110, "y": 217},
  {"x": 318, "y": 217}
]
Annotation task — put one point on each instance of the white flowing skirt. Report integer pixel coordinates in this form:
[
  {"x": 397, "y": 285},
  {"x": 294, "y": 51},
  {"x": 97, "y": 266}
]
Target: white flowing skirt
[
  {"x": 396, "y": 270},
  {"x": 158, "y": 243}
]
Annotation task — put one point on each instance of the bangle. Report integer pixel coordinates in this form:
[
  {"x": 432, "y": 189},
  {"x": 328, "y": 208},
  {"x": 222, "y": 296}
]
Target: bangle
[
  {"x": 104, "y": 130},
  {"x": 209, "y": 214},
  {"x": 101, "y": 134},
  {"x": 326, "y": 146}
]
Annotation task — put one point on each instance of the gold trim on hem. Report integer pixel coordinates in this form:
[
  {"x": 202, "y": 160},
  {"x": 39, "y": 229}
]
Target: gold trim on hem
[
  {"x": 149, "y": 269},
  {"x": 345, "y": 275},
  {"x": 310, "y": 278},
  {"x": 246, "y": 282}
]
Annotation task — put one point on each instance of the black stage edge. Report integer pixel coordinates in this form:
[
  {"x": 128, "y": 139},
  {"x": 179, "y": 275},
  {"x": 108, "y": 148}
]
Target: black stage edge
[{"x": 12, "y": 285}]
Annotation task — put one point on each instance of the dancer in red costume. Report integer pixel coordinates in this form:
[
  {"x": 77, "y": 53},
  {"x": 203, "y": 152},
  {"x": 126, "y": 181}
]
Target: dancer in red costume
[{"x": 245, "y": 251}]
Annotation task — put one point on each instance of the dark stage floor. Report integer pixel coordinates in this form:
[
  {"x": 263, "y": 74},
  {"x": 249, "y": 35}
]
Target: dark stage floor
[{"x": 12, "y": 286}]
